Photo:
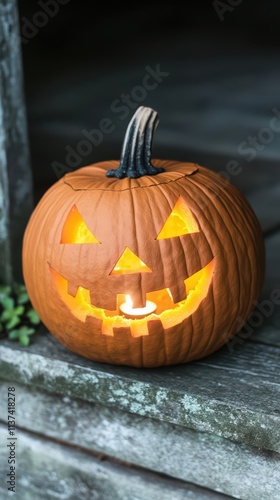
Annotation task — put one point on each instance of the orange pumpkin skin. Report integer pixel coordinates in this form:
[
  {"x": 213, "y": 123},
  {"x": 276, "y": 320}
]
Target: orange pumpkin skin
[
  {"x": 130, "y": 213},
  {"x": 76, "y": 286}
]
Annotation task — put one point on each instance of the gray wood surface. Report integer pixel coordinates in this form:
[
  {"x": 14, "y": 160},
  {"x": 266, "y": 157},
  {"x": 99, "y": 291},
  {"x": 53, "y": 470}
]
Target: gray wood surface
[
  {"x": 177, "y": 452},
  {"x": 50, "y": 470},
  {"x": 232, "y": 394},
  {"x": 16, "y": 190}
]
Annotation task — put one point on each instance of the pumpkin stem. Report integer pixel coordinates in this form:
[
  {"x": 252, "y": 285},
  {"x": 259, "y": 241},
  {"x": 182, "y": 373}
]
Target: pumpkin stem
[{"x": 137, "y": 146}]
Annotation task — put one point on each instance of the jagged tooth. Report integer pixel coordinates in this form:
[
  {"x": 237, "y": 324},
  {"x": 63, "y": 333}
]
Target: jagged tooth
[
  {"x": 72, "y": 289},
  {"x": 177, "y": 292}
]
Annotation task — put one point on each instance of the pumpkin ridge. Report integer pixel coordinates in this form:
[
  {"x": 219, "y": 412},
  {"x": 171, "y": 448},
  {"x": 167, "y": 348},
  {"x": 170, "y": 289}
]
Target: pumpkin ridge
[
  {"x": 140, "y": 299},
  {"x": 205, "y": 190},
  {"x": 31, "y": 246},
  {"x": 250, "y": 225},
  {"x": 186, "y": 270},
  {"x": 250, "y": 229},
  {"x": 208, "y": 243},
  {"x": 247, "y": 221}
]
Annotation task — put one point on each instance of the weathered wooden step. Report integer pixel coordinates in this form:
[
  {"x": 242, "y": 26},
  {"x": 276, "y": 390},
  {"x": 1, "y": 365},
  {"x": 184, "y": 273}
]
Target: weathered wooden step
[
  {"x": 49, "y": 470},
  {"x": 169, "y": 449}
]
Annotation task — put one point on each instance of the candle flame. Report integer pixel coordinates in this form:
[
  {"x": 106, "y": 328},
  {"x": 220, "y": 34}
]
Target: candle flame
[
  {"x": 127, "y": 308},
  {"x": 128, "y": 301}
]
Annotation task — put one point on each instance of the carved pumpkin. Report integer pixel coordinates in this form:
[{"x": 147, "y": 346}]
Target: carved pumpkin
[{"x": 141, "y": 264}]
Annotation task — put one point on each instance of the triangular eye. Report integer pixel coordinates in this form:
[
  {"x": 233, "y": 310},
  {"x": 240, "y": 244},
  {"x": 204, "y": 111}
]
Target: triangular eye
[
  {"x": 181, "y": 221},
  {"x": 75, "y": 229},
  {"x": 130, "y": 263}
]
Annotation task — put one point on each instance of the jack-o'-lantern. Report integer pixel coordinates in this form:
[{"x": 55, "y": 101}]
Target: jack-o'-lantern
[{"x": 145, "y": 263}]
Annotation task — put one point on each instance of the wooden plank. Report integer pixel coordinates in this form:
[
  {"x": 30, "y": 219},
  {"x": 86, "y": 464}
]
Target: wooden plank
[
  {"x": 174, "y": 451},
  {"x": 233, "y": 393},
  {"x": 15, "y": 172},
  {"x": 49, "y": 470}
]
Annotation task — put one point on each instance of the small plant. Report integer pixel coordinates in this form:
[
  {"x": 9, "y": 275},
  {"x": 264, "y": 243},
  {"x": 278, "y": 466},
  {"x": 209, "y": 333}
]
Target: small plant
[{"x": 17, "y": 317}]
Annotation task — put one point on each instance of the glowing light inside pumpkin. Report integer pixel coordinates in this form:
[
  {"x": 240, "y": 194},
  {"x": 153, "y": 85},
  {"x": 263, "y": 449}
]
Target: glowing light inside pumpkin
[
  {"x": 169, "y": 313},
  {"x": 137, "y": 312},
  {"x": 129, "y": 263},
  {"x": 181, "y": 221},
  {"x": 75, "y": 229}
]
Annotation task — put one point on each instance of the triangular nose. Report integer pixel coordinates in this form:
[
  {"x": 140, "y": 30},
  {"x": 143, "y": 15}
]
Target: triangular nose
[{"x": 129, "y": 263}]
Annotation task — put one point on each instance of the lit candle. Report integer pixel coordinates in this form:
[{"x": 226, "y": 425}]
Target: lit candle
[{"x": 137, "y": 312}]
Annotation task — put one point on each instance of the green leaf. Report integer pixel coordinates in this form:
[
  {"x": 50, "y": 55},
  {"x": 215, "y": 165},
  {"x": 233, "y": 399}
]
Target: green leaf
[
  {"x": 19, "y": 310},
  {"x": 33, "y": 317},
  {"x": 14, "y": 321},
  {"x": 5, "y": 291},
  {"x": 13, "y": 334},
  {"x": 24, "y": 340},
  {"x": 11, "y": 316},
  {"x": 22, "y": 334},
  {"x": 16, "y": 310},
  {"x": 26, "y": 330},
  {"x": 23, "y": 298},
  {"x": 6, "y": 315},
  {"x": 7, "y": 303}
]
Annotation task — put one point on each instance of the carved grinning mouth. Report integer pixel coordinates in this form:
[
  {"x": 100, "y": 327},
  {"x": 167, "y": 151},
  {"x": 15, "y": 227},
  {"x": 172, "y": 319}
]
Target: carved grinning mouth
[{"x": 168, "y": 312}]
